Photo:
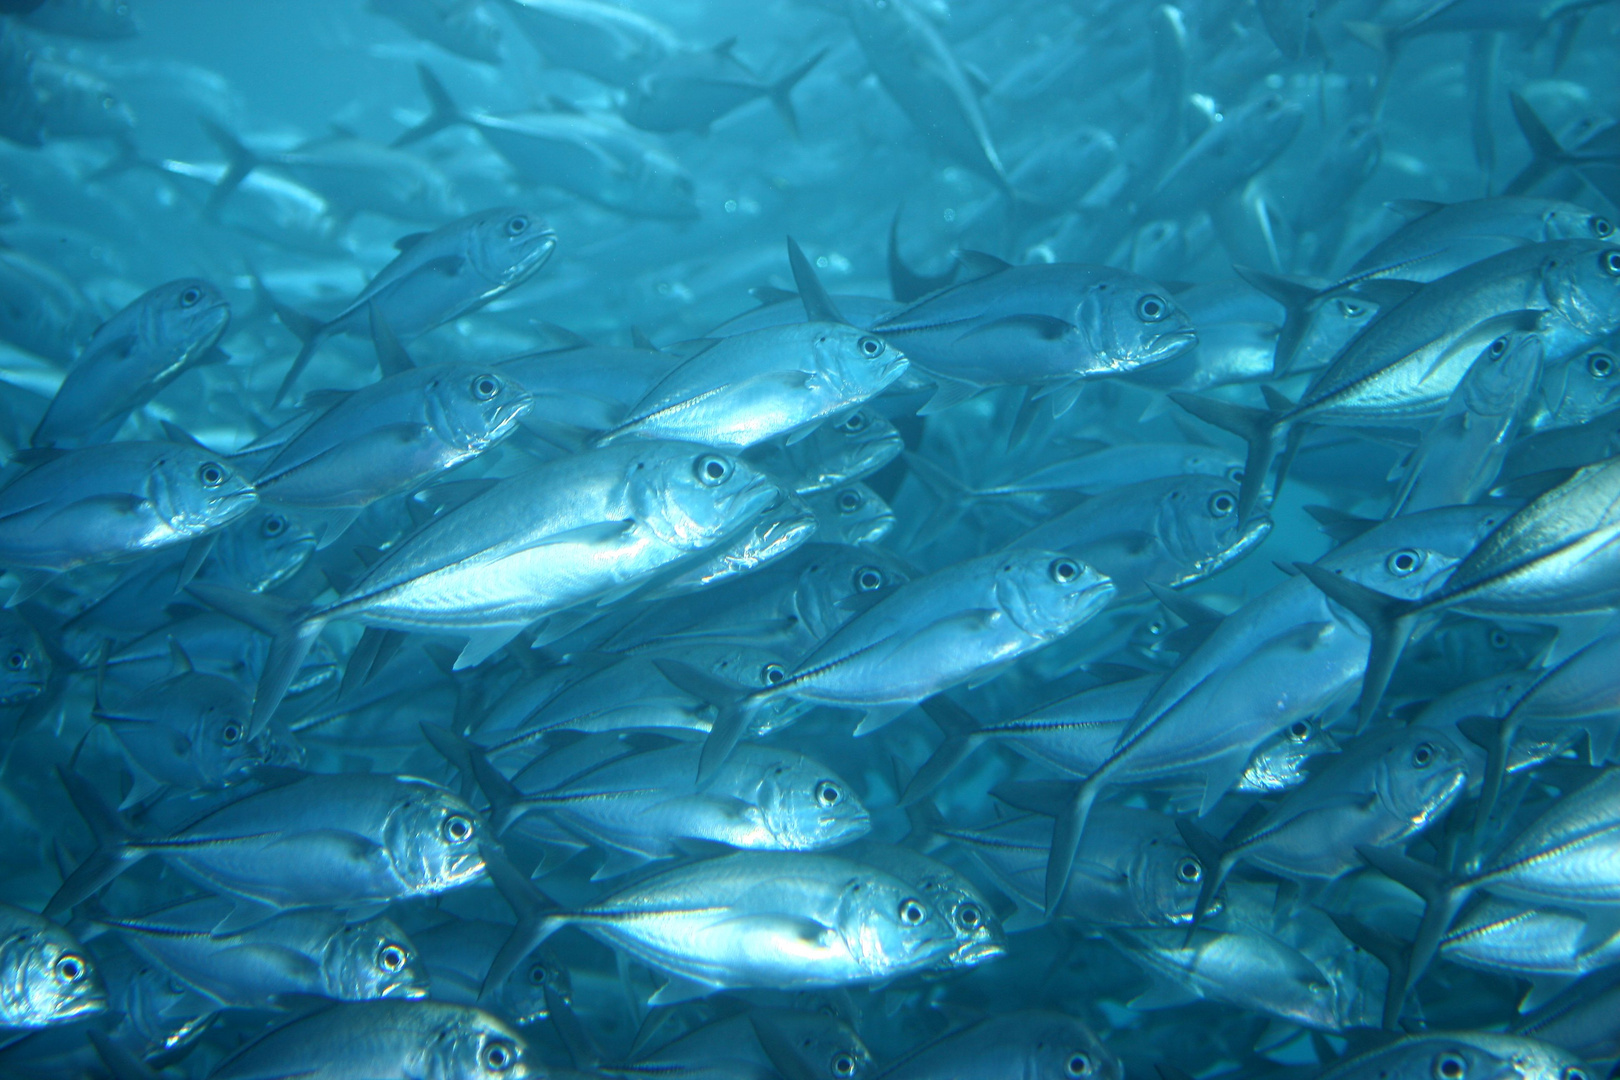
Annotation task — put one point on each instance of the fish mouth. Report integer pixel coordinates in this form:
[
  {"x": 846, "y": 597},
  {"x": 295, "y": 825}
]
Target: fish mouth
[
  {"x": 462, "y": 869},
  {"x": 1170, "y": 345},
  {"x": 977, "y": 952},
  {"x": 26, "y": 692},
  {"x": 1254, "y": 533},
  {"x": 89, "y": 1005}
]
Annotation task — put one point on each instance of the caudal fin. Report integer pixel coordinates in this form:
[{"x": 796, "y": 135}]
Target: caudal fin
[
  {"x": 781, "y": 92},
  {"x": 292, "y": 634},
  {"x": 530, "y": 906},
  {"x": 1257, "y": 427},
  {"x": 962, "y": 734},
  {"x": 442, "y": 111},
  {"x": 239, "y": 161},
  {"x": 1300, "y": 302},
  {"x": 1388, "y": 619},
  {"x": 1214, "y": 855},
  {"x": 734, "y": 712},
  {"x": 1442, "y": 900},
  {"x": 112, "y": 854},
  {"x": 906, "y": 284}
]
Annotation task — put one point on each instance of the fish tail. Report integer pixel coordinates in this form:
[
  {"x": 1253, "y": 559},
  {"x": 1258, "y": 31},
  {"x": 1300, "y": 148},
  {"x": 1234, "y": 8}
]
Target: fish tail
[
  {"x": 1257, "y": 427},
  {"x": 530, "y": 905},
  {"x": 506, "y": 803},
  {"x": 239, "y": 161},
  {"x": 1216, "y": 857},
  {"x": 1442, "y": 899},
  {"x": 292, "y": 634},
  {"x": 1386, "y": 42},
  {"x": 906, "y": 284},
  {"x": 1387, "y": 950},
  {"x": 962, "y": 734},
  {"x": 954, "y": 499},
  {"x": 1388, "y": 619},
  {"x": 1067, "y": 831},
  {"x": 1300, "y": 302},
  {"x": 736, "y": 712},
  {"x": 442, "y": 110},
  {"x": 112, "y": 855},
  {"x": 781, "y": 92}
]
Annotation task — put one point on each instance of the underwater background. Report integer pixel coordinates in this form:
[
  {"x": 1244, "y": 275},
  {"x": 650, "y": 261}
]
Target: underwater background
[{"x": 809, "y": 539}]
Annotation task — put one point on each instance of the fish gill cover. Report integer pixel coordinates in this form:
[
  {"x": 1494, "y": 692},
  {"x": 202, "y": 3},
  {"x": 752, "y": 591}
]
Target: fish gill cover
[{"x": 809, "y": 539}]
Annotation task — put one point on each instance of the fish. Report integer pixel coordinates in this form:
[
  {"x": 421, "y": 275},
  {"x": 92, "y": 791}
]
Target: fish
[{"x": 50, "y": 979}]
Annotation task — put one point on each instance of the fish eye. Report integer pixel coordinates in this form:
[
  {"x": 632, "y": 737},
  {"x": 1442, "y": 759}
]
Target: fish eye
[
  {"x": 871, "y": 347},
  {"x": 1611, "y": 262},
  {"x": 517, "y": 226},
  {"x": 485, "y": 387},
  {"x": 854, "y": 422},
  {"x": 1152, "y": 308},
  {"x": 1063, "y": 571},
  {"x": 1222, "y": 503},
  {"x": 970, "y": 916},
  {"x": 1573, "y": 1073},
  {"x": 1235, "y": 474},
  {"x": 108, "y": 102},
  {"x": 211, "y": 474},
  {"x": 70, "y": 968},
  {"x": 1422, "y": 755},
  {"x": 849, "y": 500},
  {"x": 1601, "y": 227},
  {"x": 457, "y": 829},
  {"x": 827, "y": 793},
  {"x": 537, "y": 975},
  {"x": 1600, "y": 365},
  {"x": 1499, "y": 639},
  {"x": 1450, "y": 1066},
  {"x": 499, "y": 1055},
  {"x": 231, "y": 733},
  {"x": 274, "y": 525},
  {"x": 843, "y": 1064},
  {"x": 391, "y": 957},
  {"x": 1403, "y": 562},
  {"x": 1499, "y": 346},
  {"x": 1077, "y": 1065},
  {"x": 911, "y": 912},
  {"x": 191, "y": 296},
  {"x": 868, "y": 578},
  {"x": 712, "y": 470},
  {"x": 1351, "y": 310},
  {"x": 772, "y": 674},
  {"x": 17, "y": 660},
  {"x": 1189, "y": 870},
  {"x": 1299, "y": 731}
]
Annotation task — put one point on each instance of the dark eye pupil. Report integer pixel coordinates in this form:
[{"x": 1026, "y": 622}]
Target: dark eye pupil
[
  {"x": 715, "y": 470},
  {"x": 1299, "y": 731}
]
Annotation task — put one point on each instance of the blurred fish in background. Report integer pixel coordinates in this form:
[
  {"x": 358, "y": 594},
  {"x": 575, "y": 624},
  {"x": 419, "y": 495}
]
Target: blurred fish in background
[{"x": 809, "y": 539}]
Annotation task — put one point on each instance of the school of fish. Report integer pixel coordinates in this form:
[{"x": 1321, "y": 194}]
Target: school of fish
[{"x": 809, "y": 540}]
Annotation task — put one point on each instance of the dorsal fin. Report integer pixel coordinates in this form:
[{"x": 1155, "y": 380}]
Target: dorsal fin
[
  {"x": 982, "y": 263},
  {"x": 640, "y": 340},
  {"x": 818, "y": 306},
  {"x": 178, "y": 656},
  {"x": 408, "y": 241},
  {"x": 391, "y": 355}
]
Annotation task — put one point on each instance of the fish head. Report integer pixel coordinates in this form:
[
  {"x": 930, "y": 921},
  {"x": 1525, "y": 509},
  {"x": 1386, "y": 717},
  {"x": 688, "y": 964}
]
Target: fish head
[
  {"x": 46, "y": 977},
  {"x": 217, "y": 714},
  {"x": 1566, "y": 221},
  {"x": 977, "y": 935},
  {"x": 1047, "y": 593},
  {"x": 1198, "y": 524},
  {"x": 891, "y": 926},
  {"x": 857, "y": 364},
  {"x": 1130, "y": 322},
  {"x": 1412, "y": 555},
  {"x": 1165, "y": 879},
  {"x": 522, "y": 996},
  {"x": 24, "y": 664},
  {"x": 184, "y": 316},
  {"x": 806, "y": 807},
  {"x": 1280, "y": 763},
  {"x": 508, "y": 244},
  {"x": 654, "y": 185},
  {"x": 1059, "y": 1047},
  {"x": 431, "y": 837},
  {"x": 1582, "y": 387},
  {"x": 1419, "y": 774},
  {"x": 1583, "y": 282},
  {"x": 372, "y": 959},
  {"x": 817, "y": 1042},
  {"x": 690, "y": 496},
  {"x": 853, "y": 514},
  {"x": 1448, "y": 1057},
  {"x": 829, "y": 584},
  {"x": 196, "y": 492},
  {"x": 473, "y": 1045},
  {"x": 858, "y": 445},
  {"x": 264, "y": 548},
  {"x": 473, "y": 408}
]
